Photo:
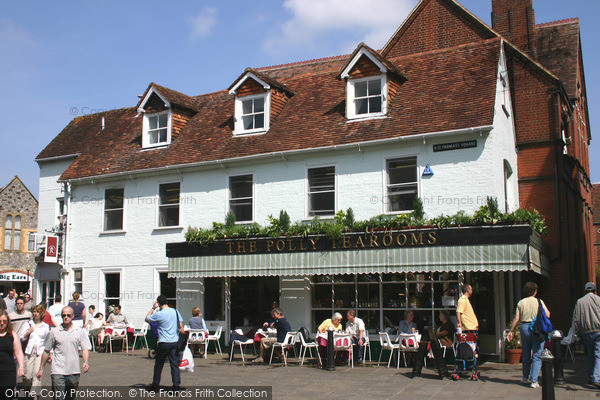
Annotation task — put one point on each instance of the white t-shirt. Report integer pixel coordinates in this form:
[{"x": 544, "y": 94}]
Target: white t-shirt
[
  {"x": 55, "y": 310},
  {"x": 355, "y": 327}
]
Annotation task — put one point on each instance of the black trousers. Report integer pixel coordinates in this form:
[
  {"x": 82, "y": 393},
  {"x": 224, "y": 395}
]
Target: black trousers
[
  {"x": 438, "y": 357},
  {"x": 164, "y": 350}
]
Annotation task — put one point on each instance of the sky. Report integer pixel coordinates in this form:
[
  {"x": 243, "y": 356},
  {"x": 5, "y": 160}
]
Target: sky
[{"x": 60, "y": 59}]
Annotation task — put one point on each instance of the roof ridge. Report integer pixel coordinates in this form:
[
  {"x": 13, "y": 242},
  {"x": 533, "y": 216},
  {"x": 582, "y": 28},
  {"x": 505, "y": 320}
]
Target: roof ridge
[
  {"x": 558, "y": 22},
  {"x": 446, "y": 49},
  {"x": 296, "y": 63}
]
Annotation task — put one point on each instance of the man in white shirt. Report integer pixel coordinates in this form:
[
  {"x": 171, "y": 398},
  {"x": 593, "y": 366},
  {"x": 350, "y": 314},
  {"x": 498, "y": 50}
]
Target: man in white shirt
[
  {"x": 55, "y": 309},
  {"x": 10, "y": 301},
  {"x": 356, "y": 327}
]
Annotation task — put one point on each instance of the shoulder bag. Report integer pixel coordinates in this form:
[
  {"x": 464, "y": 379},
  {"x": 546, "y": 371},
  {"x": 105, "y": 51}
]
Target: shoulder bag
[{"x": 182, "y": 342}]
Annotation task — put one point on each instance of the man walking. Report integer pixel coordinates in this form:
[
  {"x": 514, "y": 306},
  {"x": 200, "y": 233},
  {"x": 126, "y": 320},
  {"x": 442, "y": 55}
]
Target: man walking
[
  {"x": 19, "y": 317},
  {"x": 169, "y": 326},
  {"x": 466, "y": 319},
  {"x": 356, "y": 327},
  {"x": 65, "y": 340},
  {"x": 586, "y": 323},
  {"x": 10, "y": 301}
]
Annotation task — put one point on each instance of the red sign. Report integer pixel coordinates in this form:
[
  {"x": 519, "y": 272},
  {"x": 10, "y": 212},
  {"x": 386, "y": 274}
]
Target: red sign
[{"x": 51, "y": 255}]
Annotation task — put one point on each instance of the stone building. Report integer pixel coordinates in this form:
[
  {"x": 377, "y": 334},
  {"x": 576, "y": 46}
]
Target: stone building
[{"x": 19, "y": 214}]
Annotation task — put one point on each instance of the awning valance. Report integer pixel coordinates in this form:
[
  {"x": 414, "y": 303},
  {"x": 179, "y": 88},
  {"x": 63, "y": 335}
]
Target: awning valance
[{"x": 478, "y": 257}]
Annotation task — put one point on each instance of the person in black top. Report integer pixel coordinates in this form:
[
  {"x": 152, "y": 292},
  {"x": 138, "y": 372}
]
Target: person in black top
[
  {"x": 282, "y": 326},
  {"x": 10, "y": 347},
  {"x": 431, "y": 340}
]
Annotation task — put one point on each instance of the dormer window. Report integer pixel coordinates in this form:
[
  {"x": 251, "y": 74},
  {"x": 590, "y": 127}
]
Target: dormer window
[
  {"x": 157, "y": 131},
  {"x": 253, "y": 113},
  {"x": 368, "y": 96},
  {"x": 369, "y": 78}
]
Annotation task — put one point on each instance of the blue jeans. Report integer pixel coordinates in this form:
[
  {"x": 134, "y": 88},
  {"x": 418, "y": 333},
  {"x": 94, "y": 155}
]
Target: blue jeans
[
  {"x": 591, "y": 342},
  {"x": 532, "y": 350},
  {"x": 65, "y": 384},
  {"x": 164, "y": 350}
]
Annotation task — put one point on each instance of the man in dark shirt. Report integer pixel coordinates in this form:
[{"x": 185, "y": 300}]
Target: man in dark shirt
[{"x": 282, "y": 326}]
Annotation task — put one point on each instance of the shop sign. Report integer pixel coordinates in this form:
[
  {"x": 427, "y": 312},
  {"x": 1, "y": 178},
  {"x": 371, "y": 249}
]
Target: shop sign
[
  {"x": 14, "y": 277},
  {"x": 455, "y": 145},
  {"x": 51, "y": 255}
]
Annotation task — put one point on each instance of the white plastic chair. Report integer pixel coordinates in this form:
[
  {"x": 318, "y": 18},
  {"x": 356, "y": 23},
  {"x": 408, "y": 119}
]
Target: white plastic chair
[
  {"x": 367, "y": 346},
  {"x": 198, "y": 337},
  {"x": 240, "y": 343},
  {"x": 288, "y": 343},
  {"x": 568, "y": 341},
  {"x": 404, "y": 340},
  {"x": 304, "y": 345},
  {"x": 141, "y": 334},
  {"x": 343, "y": 342},
  {"x": 386, "y": 344},
  {"x": 91, "y": 339},
  {"x": 215, "y": 338},
  {"x": 118, "y": 334}
]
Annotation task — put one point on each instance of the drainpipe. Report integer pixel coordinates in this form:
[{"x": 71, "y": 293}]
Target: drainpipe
[{"x": 557, "y": 175}]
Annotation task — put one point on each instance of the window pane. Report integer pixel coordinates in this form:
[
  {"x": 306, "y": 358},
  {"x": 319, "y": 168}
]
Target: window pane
[
  {"x": 113, "y": 220},
  {"x": 31, "y": 242},
  {"x": 168, "y": 287},
  {"x": 169, "y": 193},
  {"x": 402, "y": 170},
  {"x": 242, "y": 210},
  {"x": 17, "y": 241},
  {"x": 259, "y": 104},
  {"x": 8, "y": 223},
  {"x": 153, "y": 122},
  {"x": 162, "y": 135},
  {"x": 168, "y": 216},
  {"x": 153, "y": 137},
  {"x": 78, "y": 275},
  {"x": 322, "y": 203},
  {"x": 374, "y": 87},
  {"x": 246, "y": 107},
  {"x": 402, "y": 200},
  {"x": 18, "y": 222},
  {"x": 360, "y": 89},
  {"x": 240, "y": 186},
  {"x": 375, "y": 104},
  {"x": 259, "y": 121},
  {"x": 112, "y": 284},
  {"x": 362, "y": 106},
  {"x": 7, "y": 240},
  {"x": 113, "y": 198},
  {"x": 320, "y": 179},
  {"x": 162, "y": 120},
  {"x": 247, "y": 121}
]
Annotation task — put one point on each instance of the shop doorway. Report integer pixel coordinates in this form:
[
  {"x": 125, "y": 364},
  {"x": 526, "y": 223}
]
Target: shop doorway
[{"x": 252, "y": 299}]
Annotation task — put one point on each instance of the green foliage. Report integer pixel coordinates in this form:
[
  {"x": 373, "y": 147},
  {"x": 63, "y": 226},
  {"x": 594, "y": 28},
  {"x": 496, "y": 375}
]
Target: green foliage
[
  {"x": 487, "y": 214},
  {"x": 418, "y": 209},
  {"x": 515, "y": 342}
]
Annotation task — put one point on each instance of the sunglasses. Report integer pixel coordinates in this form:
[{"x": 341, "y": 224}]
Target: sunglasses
[{"x": 67, "y": 315}]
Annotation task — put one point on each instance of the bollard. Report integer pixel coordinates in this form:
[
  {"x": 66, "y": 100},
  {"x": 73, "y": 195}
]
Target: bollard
[
  {"x": 547, "y": 381},
  {"x": 559, "y": 376},
  {"x": 330, "y": 364}
]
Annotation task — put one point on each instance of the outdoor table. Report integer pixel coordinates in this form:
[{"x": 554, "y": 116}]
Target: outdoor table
[{"x": 262, "y": 333}]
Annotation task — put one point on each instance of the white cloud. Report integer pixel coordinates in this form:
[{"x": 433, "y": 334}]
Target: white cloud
[
  {"x": 202, "y": 24},
  {"x": 313, "y": 21}
]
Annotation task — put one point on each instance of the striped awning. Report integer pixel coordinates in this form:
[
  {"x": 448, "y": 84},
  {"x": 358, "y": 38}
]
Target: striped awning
[{"x": 468, "y": 258}]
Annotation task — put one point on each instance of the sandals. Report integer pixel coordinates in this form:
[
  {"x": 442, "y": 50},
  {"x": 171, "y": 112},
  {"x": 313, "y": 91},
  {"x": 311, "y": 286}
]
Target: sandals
[{"x": 257, "y": 360}]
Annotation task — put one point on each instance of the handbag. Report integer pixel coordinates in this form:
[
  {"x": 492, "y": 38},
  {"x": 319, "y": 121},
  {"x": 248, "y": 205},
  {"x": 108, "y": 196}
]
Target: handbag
[
  {"x": 182, "y": 342},
  {"x": 541, "y": 324}
]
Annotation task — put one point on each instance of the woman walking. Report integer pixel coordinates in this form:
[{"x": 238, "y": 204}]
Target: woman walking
[
  {"x": 10, "y": 347},
  {"x": 527, "y": 310},
  {"x": 78, "y": 310},
  {"x": 35, "y": 332}
]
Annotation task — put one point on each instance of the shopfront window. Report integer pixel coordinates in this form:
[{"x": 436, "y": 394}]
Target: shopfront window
[{"x": 382, "y": 299}]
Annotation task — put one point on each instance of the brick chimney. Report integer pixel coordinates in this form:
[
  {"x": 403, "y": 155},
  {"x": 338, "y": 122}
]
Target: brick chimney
[{"x": 515, "y": 20}]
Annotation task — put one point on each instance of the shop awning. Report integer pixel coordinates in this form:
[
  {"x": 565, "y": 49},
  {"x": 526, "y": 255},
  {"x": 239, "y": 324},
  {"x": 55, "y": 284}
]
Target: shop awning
[{"x": 514, "y": 248}]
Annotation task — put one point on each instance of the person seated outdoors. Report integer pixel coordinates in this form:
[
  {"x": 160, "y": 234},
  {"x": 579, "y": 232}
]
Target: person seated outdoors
[
  {"x": 96, "y": 329},
  {"x": 92, "y": 310},
  {"x": 429, "y": 340},
  {"x": 197, "y": 322},
  {"x": 282, "y": 326},
  {"x": 407, "y": 326},
  {"x": 335, "y": 324},
  {"x": 116, "y": 318},
  {"x": 356, "y": 327}
]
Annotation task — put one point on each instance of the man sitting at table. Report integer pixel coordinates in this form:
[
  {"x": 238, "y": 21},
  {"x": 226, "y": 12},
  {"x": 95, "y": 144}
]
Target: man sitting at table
[
  {"x": 407, "y": 326},
  {"x": 116, "y": 318},
  {"x": 282, "y": 326},
  {"x": 356, "y": 328}
]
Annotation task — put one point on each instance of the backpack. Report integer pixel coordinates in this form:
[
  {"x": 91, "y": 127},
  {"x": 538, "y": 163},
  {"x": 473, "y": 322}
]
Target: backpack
[
  {"x": 541, "y": 324},
  {"x": 304, "y": 332}
]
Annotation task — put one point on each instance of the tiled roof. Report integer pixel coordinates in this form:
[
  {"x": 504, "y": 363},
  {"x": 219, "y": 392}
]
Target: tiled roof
[
  {"x": 596, "y": 202},
  {"x": 174, "y": 97},
  {"x": 265, "y": 78},
  {"x": 454, "y": 88},
  {"x": 389, "y": 65},
  {"x": 558, "y": 50}
]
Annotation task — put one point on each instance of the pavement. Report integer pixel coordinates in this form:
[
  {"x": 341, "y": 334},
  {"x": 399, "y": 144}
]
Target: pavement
[{"x": 367, "y": 381}]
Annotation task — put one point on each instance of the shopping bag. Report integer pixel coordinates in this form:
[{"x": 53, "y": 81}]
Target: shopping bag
[{"x": 186, "y": 364}]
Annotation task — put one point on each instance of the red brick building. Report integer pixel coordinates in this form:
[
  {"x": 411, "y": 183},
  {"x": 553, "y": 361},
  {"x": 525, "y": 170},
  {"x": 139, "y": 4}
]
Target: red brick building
[{"x": 596, "y": 211}]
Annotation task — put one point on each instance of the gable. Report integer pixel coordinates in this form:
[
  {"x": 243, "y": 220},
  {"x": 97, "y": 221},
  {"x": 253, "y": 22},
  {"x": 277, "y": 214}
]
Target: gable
[
  {"x": 155, "y": 104},
  {"x": 364, "y": 67},
  {"x": 433, "y": 25},
  {"x": 250, "y": 87}
]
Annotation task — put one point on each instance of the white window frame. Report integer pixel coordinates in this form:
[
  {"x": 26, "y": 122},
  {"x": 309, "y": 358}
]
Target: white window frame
[
  {"x": 239, "y": 124},
  {"x": 76, "y": 282},
  {"x": 104, "y": 230},
  {"x": 158, "y": 205},
  {"x": 385, "y": 197},
  {"x": 156, "y": 285},
  {"x": 228, "y": 197},
  {"x": 102, "y": 288},
  {"x": 351, "y": 97},
  {"x": 335, "y": 191},
  {"x": 146, "y": 129}
]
